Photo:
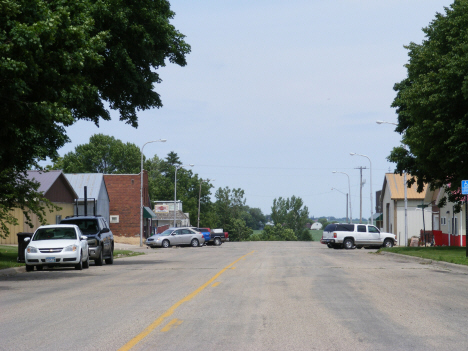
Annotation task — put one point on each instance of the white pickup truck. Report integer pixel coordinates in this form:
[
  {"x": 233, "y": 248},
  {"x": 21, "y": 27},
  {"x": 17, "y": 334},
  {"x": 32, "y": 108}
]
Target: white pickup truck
[{"x": 349, "y": 236}]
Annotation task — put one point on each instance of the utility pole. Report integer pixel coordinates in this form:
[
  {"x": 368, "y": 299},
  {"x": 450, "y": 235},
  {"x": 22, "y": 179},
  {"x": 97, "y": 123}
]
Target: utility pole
[{"x": 360, "y": 193}]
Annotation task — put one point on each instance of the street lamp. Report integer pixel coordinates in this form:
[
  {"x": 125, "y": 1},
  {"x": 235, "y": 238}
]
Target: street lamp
[
  {"x": 199, "y": 197},
  {"x": 349, "y": 191},
  {"x": 141, "y": 188},
  {"x": 406, "y": 193},
  {"x": 175, "y": 189},
  {"x": 371, "y": 195},
  {"x": 347, "y": 217}
]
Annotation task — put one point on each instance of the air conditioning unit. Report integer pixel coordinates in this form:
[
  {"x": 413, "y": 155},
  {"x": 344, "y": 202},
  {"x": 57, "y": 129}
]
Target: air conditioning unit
[{"x": 114, "y": 219}]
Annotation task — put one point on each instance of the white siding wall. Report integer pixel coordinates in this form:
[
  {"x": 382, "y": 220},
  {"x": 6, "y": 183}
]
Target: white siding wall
[{"x": 415, "y": 220}]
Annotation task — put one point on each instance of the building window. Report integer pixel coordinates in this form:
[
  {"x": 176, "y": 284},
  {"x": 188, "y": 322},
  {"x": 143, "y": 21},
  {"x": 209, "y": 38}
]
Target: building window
[
  {"x": 435, "y": 224},
  {"x": 442, "y": 221}
]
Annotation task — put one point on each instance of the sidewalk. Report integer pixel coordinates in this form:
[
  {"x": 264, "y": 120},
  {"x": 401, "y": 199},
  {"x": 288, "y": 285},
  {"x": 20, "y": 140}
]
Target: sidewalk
[{"x": 120, "y": 246}]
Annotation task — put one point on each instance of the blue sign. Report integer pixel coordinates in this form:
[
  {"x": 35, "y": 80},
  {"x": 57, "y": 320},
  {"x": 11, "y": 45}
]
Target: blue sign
[{"x": 464, "y": 187}]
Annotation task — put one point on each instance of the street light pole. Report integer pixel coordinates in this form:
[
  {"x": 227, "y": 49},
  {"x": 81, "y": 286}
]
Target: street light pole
[
  {"x": 199, "y": 197},
  {"x": 349, "y": 191},
  {"x": 371, "y": 194},
  {"x": 405, "y": 187},
  {"x": 175, "y": 189},
  {"x": 347, "y": 217},
  {"x": 141, "y": 188}
]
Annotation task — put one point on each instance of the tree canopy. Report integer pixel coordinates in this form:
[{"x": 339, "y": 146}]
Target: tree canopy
[
  {"x": 432, "y": 105},
  {"x": 64, "y": 61},
  {"x": 291, "y": 214},
  {"x": 230, "y": 210},
  {"x": 161, "y": 177},
  {"x": 103, "y": 154}
]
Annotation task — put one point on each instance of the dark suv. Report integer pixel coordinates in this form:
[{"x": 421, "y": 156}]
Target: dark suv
[{"x": 100, "y": 238}]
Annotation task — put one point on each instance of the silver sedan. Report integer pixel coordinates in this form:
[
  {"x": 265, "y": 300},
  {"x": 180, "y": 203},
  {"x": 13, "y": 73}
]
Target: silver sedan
[{"x": 176, "y": 237}]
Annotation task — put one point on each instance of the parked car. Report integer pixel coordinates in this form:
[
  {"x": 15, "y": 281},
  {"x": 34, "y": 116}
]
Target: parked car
[
  {"x": 100, "y": 237},
  {"x": 176, "y": 237},
  {"x": 349, "y": 236},
  {"x": 56, "y": 245},
  {"x": 206, "y": 233},
  {"x": 218, "y": 236}
]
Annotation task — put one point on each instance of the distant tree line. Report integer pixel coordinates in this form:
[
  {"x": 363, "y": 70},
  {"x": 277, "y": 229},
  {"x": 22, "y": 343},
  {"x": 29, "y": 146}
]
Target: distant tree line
[{"x": 105, "y": 154}]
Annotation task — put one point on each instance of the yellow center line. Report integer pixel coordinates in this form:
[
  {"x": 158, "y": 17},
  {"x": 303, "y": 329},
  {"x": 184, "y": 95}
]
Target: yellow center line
[{"x": 171, "y": 310}]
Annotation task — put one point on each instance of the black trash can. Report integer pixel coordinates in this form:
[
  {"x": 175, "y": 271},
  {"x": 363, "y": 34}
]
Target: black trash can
[{"x": 22, "y": 245}]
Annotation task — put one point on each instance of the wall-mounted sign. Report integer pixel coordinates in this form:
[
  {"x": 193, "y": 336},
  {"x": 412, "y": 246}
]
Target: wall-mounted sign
[{"x": 161, "y": 209}]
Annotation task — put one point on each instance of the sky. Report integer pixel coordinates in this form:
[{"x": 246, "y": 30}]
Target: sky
[{"x": 276, "y": 94}]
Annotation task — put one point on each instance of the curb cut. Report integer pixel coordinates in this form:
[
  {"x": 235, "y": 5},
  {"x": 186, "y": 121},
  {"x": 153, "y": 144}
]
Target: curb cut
[
  {"x": 12, "y": 271},
  {"x": 427, "y": 261}
]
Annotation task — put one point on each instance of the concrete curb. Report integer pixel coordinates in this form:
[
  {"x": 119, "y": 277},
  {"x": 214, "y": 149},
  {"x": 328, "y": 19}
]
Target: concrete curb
[{"x": 428, "y": 261}]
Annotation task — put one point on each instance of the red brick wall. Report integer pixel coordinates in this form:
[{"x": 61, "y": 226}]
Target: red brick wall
[{"x": 124, "y": 196}]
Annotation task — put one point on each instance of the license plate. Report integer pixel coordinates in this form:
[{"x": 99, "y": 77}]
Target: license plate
[{"x": 50, "y": 259}]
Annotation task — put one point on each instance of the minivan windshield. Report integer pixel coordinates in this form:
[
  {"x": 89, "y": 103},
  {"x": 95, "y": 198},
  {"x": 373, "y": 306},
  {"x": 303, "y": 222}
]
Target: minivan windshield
[{"x": 87, "y": 226}]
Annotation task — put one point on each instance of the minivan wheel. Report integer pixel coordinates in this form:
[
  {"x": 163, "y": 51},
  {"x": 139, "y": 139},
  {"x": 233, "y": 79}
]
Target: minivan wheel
[
  {"x": 348, "y": 244},
  {"x": 29, "y": 268},
  {"x": 98, "y": 261},
  {"x": 110, "y": 260},
  {"x": 329, "y": 245}
]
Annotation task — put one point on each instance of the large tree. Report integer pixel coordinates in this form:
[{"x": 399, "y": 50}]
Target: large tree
[
  {"x": 230, "y": 209},
  {"x": 64, "y": 61},
  {"x": 432, "y": 105},
  {"x": 292, "y": 214},
  {"x": 161, "y": 177},
  {"x": 103, "y": 154},
  {"x": 254, "y": 218}
]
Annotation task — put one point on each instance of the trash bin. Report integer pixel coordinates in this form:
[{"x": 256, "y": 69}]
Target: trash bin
[{"x": 22, "y": 245}]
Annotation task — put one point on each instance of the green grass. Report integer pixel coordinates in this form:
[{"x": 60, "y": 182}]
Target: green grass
[
  {"x": 316, "y": 234},
  {"x": 455, "y": 255},
  {"x": 9, "y": 254},
  {"x": 126, "y": 253}
]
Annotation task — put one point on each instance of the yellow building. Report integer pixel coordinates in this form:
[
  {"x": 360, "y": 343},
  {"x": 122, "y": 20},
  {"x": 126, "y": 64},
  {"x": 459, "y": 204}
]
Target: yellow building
[{"x": 56, "y": 188}]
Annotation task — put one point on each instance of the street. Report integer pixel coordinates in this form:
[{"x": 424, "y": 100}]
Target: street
[{"x": 239, "y": 296}]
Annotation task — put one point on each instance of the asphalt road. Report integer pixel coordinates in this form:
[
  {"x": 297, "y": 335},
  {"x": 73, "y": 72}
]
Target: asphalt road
[{"x": 239, "y": 296}]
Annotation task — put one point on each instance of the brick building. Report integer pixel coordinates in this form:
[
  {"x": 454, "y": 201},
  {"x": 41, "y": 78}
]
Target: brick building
[{"x": 124, "y": 207}]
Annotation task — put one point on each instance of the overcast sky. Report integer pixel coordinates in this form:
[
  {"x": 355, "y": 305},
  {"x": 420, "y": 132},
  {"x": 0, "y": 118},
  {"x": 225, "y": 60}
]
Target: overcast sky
[{"x": 276, "y": 94}]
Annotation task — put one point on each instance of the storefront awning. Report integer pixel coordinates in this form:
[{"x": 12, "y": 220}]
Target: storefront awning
[{"x": 148, "y": 213}]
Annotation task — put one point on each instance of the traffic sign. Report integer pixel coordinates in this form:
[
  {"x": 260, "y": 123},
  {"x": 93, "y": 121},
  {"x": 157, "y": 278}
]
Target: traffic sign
[{"x": 464, "y": 187}]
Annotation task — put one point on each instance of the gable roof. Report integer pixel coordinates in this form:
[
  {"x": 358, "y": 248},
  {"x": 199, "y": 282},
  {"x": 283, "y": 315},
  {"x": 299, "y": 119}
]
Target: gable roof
[
  {"x": 396, "y": 186},
  {"x": 47, "y": 179},
  {"x": 93, "y": 182}
]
